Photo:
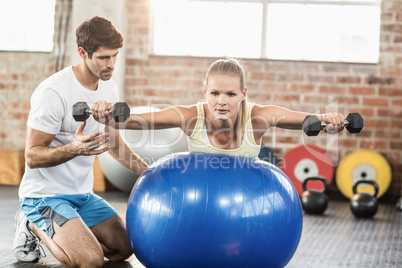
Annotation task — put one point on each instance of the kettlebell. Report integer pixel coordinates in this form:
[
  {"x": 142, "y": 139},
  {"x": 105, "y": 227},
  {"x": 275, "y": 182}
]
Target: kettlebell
[
  {"x": 314, "y": 201},
  {"x": 364, "y": 205}
]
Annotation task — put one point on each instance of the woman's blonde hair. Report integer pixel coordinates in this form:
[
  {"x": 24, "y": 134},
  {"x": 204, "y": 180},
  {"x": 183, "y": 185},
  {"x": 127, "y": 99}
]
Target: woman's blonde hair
[{"x": 233, "y": 68}]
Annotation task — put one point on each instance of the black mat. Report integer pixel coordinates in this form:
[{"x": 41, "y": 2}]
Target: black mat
[{"x": 336, "y": 239}]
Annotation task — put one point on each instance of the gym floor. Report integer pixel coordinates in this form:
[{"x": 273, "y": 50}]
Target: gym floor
[{"x": 335, "y": 239}]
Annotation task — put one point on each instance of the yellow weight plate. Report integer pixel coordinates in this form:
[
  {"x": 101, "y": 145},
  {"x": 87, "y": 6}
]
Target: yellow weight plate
[{"x": 363, "y": 164}]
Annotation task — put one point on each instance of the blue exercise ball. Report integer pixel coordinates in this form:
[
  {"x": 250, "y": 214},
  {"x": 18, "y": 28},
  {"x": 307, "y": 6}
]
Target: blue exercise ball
[{"x": 203, "y": 210}]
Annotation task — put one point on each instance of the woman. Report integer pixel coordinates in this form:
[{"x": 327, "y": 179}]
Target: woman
[{"x": 227, "y": 123}]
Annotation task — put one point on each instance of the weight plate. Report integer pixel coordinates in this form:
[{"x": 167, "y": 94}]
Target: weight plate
[
  {"x": 304, "y": 169},
  {"x": 307, "y": 161},
  {"x": 363, "y": 164},
  {"x": 363, "y": 171}
]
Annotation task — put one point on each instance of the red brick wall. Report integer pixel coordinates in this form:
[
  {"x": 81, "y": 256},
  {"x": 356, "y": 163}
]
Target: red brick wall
[
  {"x": 305, "y": 86},
  {"x": 20, "y": 74},
  {"x": 375, "y": 91}
]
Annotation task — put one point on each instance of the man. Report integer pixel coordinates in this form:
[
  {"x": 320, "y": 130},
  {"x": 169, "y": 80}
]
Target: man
[{"x": 58, "y": 205}]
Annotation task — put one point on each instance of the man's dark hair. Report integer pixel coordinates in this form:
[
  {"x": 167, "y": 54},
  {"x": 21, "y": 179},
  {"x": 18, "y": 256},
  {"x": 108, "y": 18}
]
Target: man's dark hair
[{"x": 98, "y": 32}]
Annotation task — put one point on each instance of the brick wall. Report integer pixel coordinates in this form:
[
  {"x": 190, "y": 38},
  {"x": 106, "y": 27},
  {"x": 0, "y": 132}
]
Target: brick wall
[
  {"x": 375, "y": 91},
  {"x": 20, "y": 74}
]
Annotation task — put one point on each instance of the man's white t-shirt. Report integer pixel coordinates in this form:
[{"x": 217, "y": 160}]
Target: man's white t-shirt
[{"x": 51, "y": 112}]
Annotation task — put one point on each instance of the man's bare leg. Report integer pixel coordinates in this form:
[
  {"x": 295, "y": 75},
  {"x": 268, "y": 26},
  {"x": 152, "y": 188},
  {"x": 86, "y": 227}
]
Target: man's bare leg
[
  {"x": 73, "y": 244},
  {"x": 113, "y": 237}
]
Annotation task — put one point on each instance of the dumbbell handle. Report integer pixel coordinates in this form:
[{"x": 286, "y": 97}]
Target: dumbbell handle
[
  {"x": 88, "y": 111},
  {"x": 323, "y": 124}
]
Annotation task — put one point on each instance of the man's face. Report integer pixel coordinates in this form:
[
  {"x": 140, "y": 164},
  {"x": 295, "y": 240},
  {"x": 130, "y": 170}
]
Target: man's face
[{"x": 102, "y": 62}]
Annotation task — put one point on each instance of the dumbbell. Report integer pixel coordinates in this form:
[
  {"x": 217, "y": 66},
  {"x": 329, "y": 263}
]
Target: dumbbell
[
  {"x": 354, "y": 123},
  {"x": 120, "y": 111}
]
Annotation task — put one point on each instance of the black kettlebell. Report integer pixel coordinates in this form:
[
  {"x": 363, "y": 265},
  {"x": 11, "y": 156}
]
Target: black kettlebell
[
  {"x": 364, "y": 205},
  {"x": 314, "y": 201}
]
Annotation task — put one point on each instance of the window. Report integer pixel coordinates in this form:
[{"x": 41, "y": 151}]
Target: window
[
  {"x": 207, "y": 28},
  {"x": 27, "y": 25},
  {"x": 315, "y": 30}
]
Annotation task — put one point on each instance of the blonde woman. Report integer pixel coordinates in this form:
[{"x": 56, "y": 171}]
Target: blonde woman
[{"x": 226, "y": 123}]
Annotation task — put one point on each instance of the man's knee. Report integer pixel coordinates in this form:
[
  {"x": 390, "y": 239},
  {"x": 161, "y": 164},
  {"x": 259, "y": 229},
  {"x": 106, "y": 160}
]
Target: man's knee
[{"x": 120, "y": 254}]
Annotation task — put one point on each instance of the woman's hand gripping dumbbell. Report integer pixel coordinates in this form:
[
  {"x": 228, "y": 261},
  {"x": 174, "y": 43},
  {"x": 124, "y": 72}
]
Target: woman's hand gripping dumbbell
[
  {"x": 312, "y": 125},
  {"x": 119, "y": 112}
]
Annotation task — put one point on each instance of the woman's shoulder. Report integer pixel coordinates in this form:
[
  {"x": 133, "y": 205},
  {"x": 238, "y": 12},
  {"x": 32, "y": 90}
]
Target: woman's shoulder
[
  {"x": 187, "y": 111},
  {"x": 256, "y": 109},
  {"x": 259, "y": 109}
]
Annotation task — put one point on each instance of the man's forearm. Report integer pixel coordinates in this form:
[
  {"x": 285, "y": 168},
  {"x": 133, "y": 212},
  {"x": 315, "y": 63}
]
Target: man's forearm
[{"x": 43, "y": 156}]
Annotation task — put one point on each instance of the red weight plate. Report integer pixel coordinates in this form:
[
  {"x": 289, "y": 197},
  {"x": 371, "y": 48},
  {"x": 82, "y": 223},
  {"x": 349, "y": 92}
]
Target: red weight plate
[{"x": 307, "y": 161}]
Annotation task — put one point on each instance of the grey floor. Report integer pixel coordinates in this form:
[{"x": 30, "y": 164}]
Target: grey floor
[{"x": 335, "y": 239}]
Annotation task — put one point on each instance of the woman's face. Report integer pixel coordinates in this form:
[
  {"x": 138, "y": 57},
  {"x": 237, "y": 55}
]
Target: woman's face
[{"x": 224, "y": 97}]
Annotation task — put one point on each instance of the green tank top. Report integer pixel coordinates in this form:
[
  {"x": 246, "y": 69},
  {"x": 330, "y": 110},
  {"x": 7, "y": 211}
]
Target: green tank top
[{"x": 198, "y": 141}]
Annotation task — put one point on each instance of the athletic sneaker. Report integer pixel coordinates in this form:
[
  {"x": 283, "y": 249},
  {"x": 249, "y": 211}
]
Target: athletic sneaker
[{"x": 25, "y": 246}]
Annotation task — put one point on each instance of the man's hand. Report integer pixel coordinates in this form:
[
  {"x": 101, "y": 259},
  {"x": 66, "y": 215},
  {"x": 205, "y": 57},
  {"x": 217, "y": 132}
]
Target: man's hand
[
  {"x": 91, "y": 144},
  {"x": 101, "y": 111}
]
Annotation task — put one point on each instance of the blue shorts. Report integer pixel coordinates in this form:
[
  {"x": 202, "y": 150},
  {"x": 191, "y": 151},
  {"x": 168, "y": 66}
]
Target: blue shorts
[{"x": 60, "y": 208}]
